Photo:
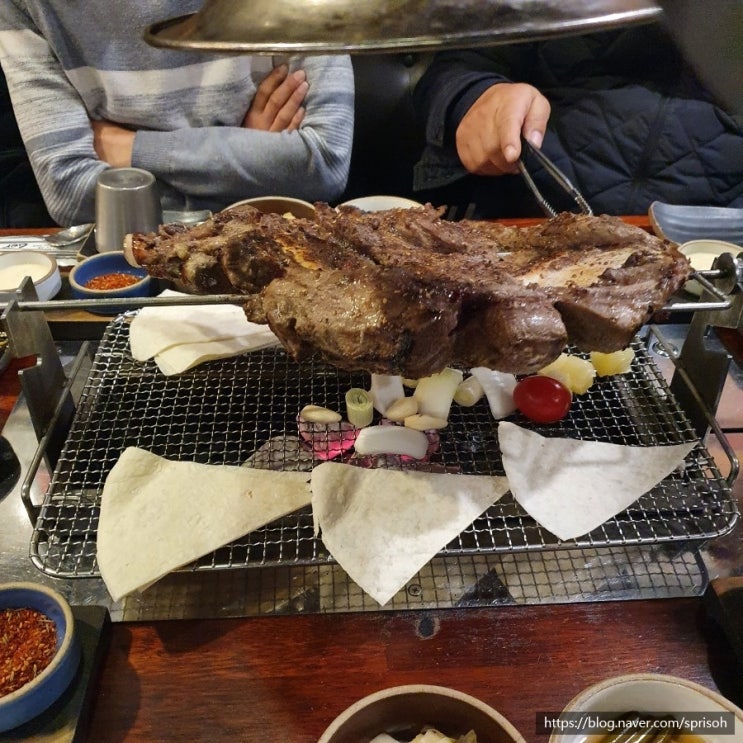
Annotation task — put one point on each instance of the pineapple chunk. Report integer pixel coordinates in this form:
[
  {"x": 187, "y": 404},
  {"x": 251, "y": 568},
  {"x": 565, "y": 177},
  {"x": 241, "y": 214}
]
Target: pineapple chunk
[
  {"x": 576, "y": 373},
  {"x": 618, "y": 362}
]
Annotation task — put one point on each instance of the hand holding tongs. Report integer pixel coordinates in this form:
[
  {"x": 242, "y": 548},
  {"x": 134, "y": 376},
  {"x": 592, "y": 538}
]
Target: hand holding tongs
[{"x": 560, "y": 177}]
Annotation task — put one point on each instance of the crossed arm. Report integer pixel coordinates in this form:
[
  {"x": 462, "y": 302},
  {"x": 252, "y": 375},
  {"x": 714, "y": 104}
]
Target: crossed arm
[{"x": 276, "y": 107}]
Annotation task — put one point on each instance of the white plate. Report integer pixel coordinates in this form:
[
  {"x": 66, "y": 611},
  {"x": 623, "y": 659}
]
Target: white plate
[
  {"x": 702, "y": 254},
  {"x": 380, "y": 203}
]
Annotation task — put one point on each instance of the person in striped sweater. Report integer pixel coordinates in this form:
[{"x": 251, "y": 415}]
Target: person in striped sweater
[{"x": 89, "y": 93}]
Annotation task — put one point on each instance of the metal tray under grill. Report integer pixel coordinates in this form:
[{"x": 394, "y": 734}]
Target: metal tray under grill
[{"x": 223, "y": 412}]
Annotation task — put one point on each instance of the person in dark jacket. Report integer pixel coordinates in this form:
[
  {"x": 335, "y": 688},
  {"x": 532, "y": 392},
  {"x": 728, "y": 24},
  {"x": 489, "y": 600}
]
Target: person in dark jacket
[
  {"x": 619, "y": 112},
  {"x": 21, "y": 203}
]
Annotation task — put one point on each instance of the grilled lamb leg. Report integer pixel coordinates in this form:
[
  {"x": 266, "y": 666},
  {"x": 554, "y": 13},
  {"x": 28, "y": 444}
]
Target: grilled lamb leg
[{"x": 405, "y": 292}]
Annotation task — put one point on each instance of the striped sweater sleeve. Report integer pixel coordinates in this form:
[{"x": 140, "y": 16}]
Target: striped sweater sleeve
[
  {"x": 51, "y": 117},
  {"x": 219, "y": 165},
  {"x": 63, "y": 70}
]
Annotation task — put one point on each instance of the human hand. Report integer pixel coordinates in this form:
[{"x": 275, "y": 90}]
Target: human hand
[
  {"x": 113, "y": 143},
  {"x": 488, "y": 138},
  {"x": 277, "y": 104}
]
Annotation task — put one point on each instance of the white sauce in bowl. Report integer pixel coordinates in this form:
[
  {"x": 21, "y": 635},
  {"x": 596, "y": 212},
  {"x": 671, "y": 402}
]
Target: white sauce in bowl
[
  {"x": 11, "y": 276},
  {"x": 702, "y": 261}
]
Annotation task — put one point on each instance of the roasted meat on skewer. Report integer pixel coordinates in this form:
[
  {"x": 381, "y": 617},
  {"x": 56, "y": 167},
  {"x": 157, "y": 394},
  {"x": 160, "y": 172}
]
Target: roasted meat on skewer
[{"x": 406, "y": 292}]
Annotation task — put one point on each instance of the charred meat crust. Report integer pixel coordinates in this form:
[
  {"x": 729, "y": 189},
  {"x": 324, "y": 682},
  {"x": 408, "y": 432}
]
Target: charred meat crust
[{"x": 405, "y": 292}]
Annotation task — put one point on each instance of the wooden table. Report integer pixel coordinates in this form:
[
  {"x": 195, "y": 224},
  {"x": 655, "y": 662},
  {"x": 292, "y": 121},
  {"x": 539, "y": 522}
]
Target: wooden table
[{"x": 284, "y": 678}]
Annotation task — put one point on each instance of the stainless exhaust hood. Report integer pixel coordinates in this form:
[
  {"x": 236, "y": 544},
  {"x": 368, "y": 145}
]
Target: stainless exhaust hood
[{"x": 358, "y": 26}]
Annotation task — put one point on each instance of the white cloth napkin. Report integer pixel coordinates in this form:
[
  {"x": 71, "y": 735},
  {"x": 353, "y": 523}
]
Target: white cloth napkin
[{"x": 179, "y": 337}]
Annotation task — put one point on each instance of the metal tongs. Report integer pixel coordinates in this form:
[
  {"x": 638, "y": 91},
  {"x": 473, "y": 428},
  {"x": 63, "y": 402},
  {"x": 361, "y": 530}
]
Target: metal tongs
[{"x": 562, "y": 180}]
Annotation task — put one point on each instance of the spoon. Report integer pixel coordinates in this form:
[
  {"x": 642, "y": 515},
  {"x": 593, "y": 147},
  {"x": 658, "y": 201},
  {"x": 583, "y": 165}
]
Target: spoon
[{"x": 69, "y": 235}]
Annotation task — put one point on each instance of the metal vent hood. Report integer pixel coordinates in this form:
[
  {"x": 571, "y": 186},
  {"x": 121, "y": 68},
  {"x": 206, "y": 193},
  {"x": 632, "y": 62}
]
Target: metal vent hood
[{"x": 358, "y": 26}]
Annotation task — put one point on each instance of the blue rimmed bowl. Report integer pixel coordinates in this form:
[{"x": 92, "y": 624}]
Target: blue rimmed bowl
[
  {"x": 103, "y": 264},
  {"x": 31, "y": 699}
]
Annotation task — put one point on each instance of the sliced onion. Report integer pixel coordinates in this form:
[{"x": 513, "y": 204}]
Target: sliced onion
[
  {"x": 385, "y": 389},
  {"x": 498, "y": 388},
  {"x": 392, "y": 440},
  {"x": 435, "y": 393},
  {"x": 359, "y": 408}
]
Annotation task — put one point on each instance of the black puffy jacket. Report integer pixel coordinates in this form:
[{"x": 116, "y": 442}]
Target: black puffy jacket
[
  {"x": 21, "y": 203},
  {"x": 630, "y": 124}
]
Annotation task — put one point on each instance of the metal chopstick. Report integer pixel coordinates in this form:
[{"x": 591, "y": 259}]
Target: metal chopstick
[{"x": 561, "y": 179}]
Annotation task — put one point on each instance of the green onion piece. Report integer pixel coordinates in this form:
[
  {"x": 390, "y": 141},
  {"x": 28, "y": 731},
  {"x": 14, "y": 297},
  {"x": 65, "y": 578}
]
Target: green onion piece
[{"x": 359, "y": 407}]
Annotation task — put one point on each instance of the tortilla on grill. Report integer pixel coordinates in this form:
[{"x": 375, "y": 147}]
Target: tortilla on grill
[
  {"x": 571, "y": 487},
  {"x": 179, "y": 337},
  {"x": 383, "y": 526},
  {"x": 180, "y": 358},
  {"x": 158, "y": 515}
]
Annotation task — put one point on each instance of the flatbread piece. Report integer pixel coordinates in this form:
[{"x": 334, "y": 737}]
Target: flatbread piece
[
  {"x": 383, "y": 526},
  {"x": 571, "y": 487},
  {"x": 158, "y": 515},
  {"x": 179, "y": 337}
]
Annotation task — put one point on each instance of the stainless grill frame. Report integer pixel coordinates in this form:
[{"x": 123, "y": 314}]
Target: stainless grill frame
[{"x": 223, "y": 411}]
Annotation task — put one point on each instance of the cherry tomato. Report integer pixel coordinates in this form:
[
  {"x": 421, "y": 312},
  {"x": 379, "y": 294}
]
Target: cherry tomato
[{"x": 543, "y": 399}]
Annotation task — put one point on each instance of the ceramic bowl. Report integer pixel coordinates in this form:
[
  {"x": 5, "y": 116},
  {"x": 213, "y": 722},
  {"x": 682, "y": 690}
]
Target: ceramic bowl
[
  {"x": 102, "y": 264},
  {"x": 702, "y": 254},
  {"x": 653, "y": 694},
  {"x": 380, "y": 203},
  {"x": 681, "y": 223},
  {"x": 42, "y": 268},
  {"x": 279, "y": 205},
  {"x": 38, "y": 694},
  {"x": 403, "y": 711}
]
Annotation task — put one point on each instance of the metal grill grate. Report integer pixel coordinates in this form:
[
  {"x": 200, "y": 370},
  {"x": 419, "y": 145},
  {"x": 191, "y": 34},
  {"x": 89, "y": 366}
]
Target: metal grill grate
[
  {"x": 224, "y": 412},
  {"x": 467, "y": 581}
]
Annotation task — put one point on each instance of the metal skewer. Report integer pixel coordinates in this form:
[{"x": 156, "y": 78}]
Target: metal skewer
[{"x": 128, "y": 302}]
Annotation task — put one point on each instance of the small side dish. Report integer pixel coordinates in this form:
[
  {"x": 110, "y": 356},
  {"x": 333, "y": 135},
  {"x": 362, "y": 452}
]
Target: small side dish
[
  {"x": 702, "y": 255},
  {"x": 429, "y": 735},
  {"x": 650, "y": 700},
  {"x": 41, "y": 268},
  {"x": 39, "y": 651},
  {"x": 108, "y": 276},
  {"x": 28, "y": 641},
  {"x": 404, "y": 713},
  {"x": 285, "y": 205}
]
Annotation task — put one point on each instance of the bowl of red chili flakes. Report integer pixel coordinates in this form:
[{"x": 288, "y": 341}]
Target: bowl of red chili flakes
[
  {"x": 108, "y": 276},
  {"x": 39, "y": 651}
]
